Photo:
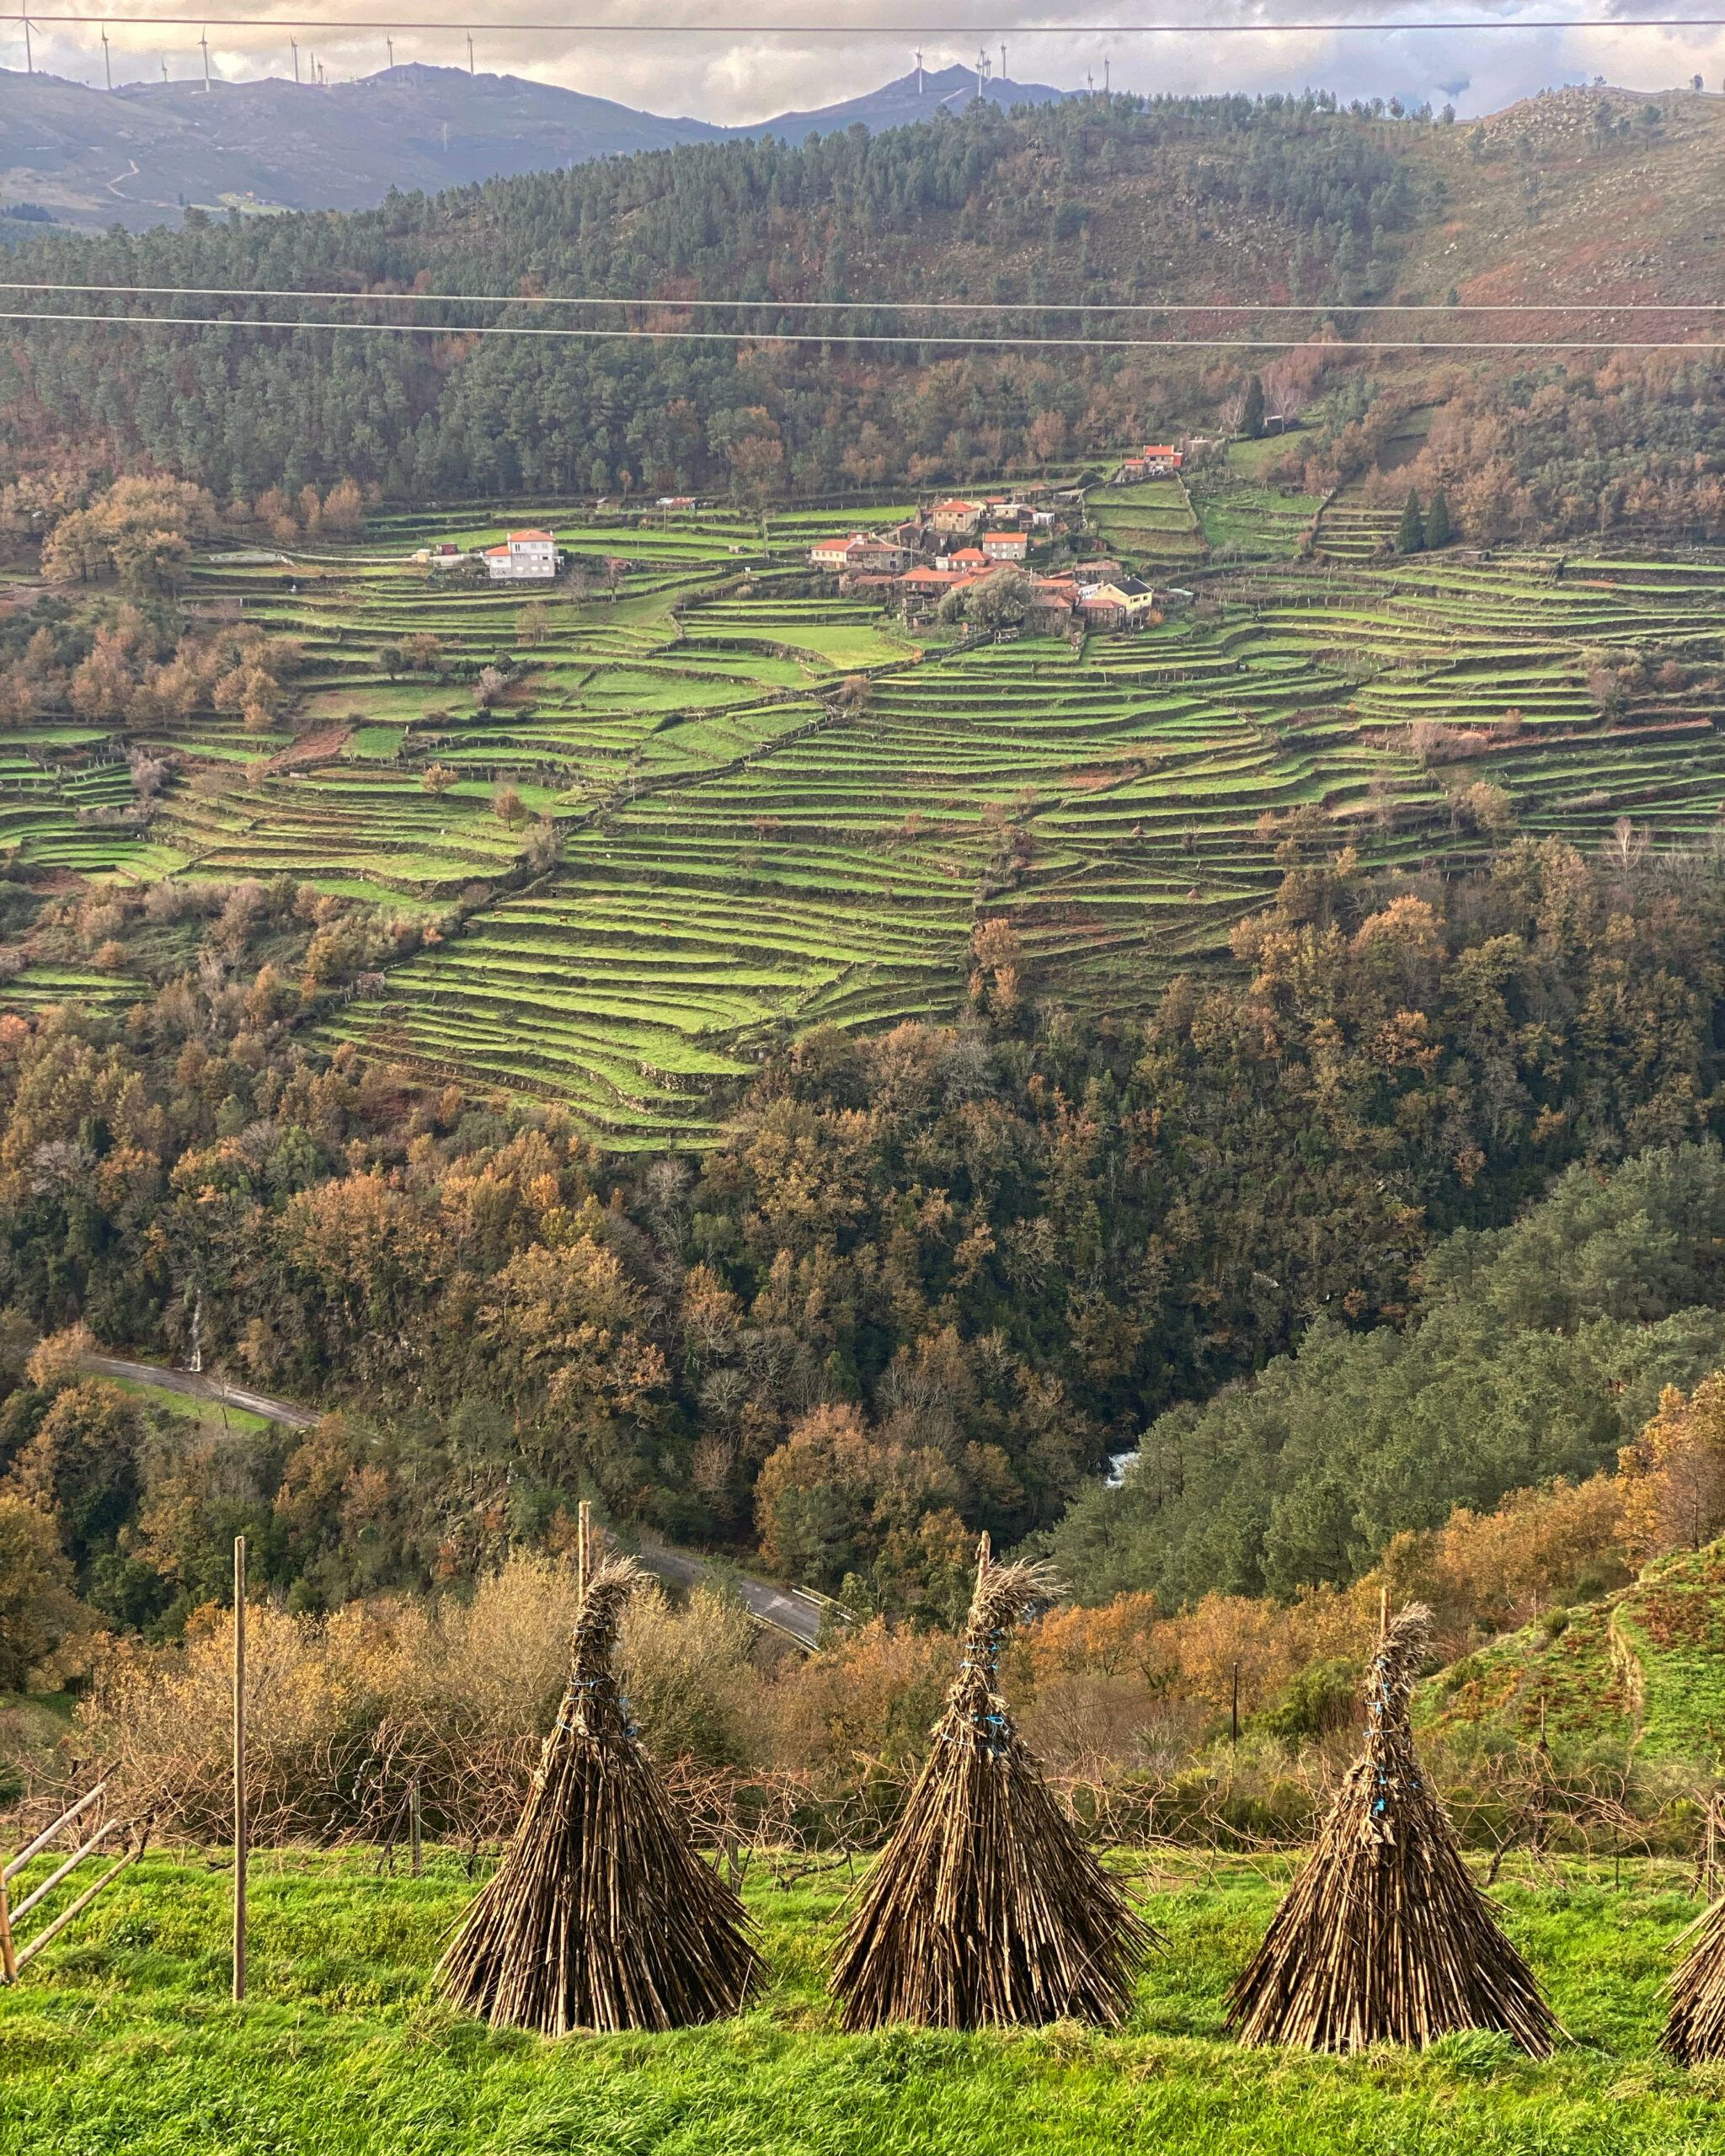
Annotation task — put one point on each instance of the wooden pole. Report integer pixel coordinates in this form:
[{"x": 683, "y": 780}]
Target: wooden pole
[
  {"x": 1234, "y": 1709},
  {"x": 239, "y": 1767},
  {"x": 413, "y": 1821},
  {"x": 8, "y": 1958},
  {"x": 584, "y": 1528}
]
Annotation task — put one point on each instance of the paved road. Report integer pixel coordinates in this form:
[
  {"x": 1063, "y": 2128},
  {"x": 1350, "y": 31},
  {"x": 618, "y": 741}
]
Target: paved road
[
  {"x": 199, "y": 1385},
  {"x": 795, "y": 1615},
  {"x": 774, "y": 1606}
]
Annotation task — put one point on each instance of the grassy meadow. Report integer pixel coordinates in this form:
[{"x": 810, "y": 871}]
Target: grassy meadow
[{"x": 124, "y": 2039}]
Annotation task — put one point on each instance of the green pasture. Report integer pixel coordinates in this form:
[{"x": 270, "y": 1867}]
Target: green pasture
[{"x": 123, "y": 2041}]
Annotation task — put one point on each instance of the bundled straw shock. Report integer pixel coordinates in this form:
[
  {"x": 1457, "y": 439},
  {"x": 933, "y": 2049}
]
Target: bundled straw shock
[
  {"x": 985, "y": 1906},
  {"x": 1385, "y": 1938},
  {"x": 1695, "y": 2029},
  {"x": 601, "y": 1915}
]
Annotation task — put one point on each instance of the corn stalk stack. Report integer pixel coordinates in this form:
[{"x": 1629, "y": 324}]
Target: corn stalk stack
[
  {"x": 602, "y": 1915},
  {"x": 1694, "y": 2028},
  {"x": 985, "y": 1906},
  {"x": 1385, "y": 1938}
]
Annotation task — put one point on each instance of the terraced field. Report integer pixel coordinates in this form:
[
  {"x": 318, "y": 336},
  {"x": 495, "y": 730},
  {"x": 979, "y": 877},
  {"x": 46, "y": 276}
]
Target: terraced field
[
  {"x": 1152, "y": 524},
  {"x": 679, "y": 832}
]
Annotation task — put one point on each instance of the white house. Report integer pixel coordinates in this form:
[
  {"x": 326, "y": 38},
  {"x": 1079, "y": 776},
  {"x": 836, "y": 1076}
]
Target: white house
[{"x": 523, "y": 554}]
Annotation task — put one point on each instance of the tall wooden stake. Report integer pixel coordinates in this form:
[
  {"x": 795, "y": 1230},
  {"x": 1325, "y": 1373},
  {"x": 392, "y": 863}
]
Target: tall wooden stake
[
  {"x": 239, "y": 1767},
  {"x": 413, "y": 1821},
  {"x": 8, "y": 1958},
  {"x": 584, "y": 1528}
]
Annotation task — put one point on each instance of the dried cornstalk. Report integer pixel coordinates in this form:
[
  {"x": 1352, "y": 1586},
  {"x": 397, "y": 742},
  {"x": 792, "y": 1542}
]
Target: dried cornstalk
[
  {"x": 986, "y": 1905},
  {"x": 1694, "y": 2028},
  {"x": 1385, "y": 1938},
  {"x": 601, "y": 1915}
]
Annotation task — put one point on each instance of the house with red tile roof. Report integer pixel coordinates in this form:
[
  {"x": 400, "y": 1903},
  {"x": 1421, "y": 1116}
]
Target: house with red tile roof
[{"x": 522, "y": 554}]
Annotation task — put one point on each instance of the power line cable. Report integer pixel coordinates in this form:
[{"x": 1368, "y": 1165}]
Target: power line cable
[
  {"x": 877, "y": 307},
  {"x": 920, "y": 29},
  {"x": 903, "y": 337}
]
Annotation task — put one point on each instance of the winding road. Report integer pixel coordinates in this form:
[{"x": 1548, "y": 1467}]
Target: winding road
[{"x": 792, "y": 1612}]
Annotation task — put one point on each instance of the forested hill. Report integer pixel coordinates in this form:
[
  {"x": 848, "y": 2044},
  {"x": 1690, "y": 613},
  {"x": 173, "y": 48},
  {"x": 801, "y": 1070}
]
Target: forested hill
[
  {"x": 1103, "y": 201},
  {"x": 929, "y": 1281},
  {"x": 143, "y": 153},
  {"x": 1541, "y": 1349}
]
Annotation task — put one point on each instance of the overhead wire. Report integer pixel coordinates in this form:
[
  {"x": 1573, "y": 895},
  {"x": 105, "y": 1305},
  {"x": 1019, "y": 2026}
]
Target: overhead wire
[
  {"x": 875, "y": 306},
  {"x": 901, "y": 337},
  {"x": 910, "y": 28}
]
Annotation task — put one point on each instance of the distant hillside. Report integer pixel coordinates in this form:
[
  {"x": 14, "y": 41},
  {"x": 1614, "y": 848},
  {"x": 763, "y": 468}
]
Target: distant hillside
[
  {"x": 141, "y": 155},
  {"x": 1578, "y": 202},
  {"x": 903, "y": 103},
  {"x": 1645, "y": 1666}
]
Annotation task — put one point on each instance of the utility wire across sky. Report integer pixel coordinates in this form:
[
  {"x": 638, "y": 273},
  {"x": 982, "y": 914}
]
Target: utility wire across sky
[
  {"x": 902, "y": 336},
  {"x": 924, "y": 30},
  {"x": 873, "y": 307}
]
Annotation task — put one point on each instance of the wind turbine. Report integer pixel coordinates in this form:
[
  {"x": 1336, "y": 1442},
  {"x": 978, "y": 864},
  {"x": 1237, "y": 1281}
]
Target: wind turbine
[
  {"x": 107, "y": 64},
  {"x": 204, "y": 40},
  {"x": 919, "y": 71},
  {"x": 294, "y": 44}
]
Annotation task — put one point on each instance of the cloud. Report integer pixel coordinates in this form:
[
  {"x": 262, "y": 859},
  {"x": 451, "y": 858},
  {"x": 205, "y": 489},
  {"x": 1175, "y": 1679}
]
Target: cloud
[{"x": 710, "y": 75}]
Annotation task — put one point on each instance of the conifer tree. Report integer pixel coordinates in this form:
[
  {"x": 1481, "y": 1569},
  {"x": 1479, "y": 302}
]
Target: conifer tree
[
  {"x": 1410, "y": 539},
  {"x": 1437, "y": 524},
  {"x": 1251, "y": 414}
]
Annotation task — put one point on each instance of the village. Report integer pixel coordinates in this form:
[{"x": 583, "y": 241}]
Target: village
[
  {"x": 1018, "y": 551},
  {"x": 1003, "y": 565}
]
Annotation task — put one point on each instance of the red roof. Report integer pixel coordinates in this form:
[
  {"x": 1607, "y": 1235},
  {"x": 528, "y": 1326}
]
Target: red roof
[
  {"x": 1160, "y": 449},
  {"x": 967, "y": 554},
  {"x": 515, "y": 536}
]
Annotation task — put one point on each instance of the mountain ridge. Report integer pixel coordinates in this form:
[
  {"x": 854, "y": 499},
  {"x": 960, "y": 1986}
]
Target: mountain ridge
[{"x": 141, "y": 154}]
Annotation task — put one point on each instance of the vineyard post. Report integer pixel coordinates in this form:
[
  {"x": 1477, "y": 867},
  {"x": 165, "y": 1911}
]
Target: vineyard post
[
  {"x": 239, "y": 1767},
  {"x": 414, "y": 1821}
]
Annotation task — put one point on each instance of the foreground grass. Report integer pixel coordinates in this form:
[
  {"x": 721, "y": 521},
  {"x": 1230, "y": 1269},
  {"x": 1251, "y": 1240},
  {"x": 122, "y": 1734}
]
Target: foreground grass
[{"x": 127, "y": 2042}]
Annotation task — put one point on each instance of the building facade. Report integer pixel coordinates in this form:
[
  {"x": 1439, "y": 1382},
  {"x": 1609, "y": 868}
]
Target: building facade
[{"x": 524, "y": 555}]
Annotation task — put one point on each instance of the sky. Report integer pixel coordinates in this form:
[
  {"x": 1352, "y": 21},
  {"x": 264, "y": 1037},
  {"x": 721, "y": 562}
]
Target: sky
[{"x": 717, "y": 75}]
